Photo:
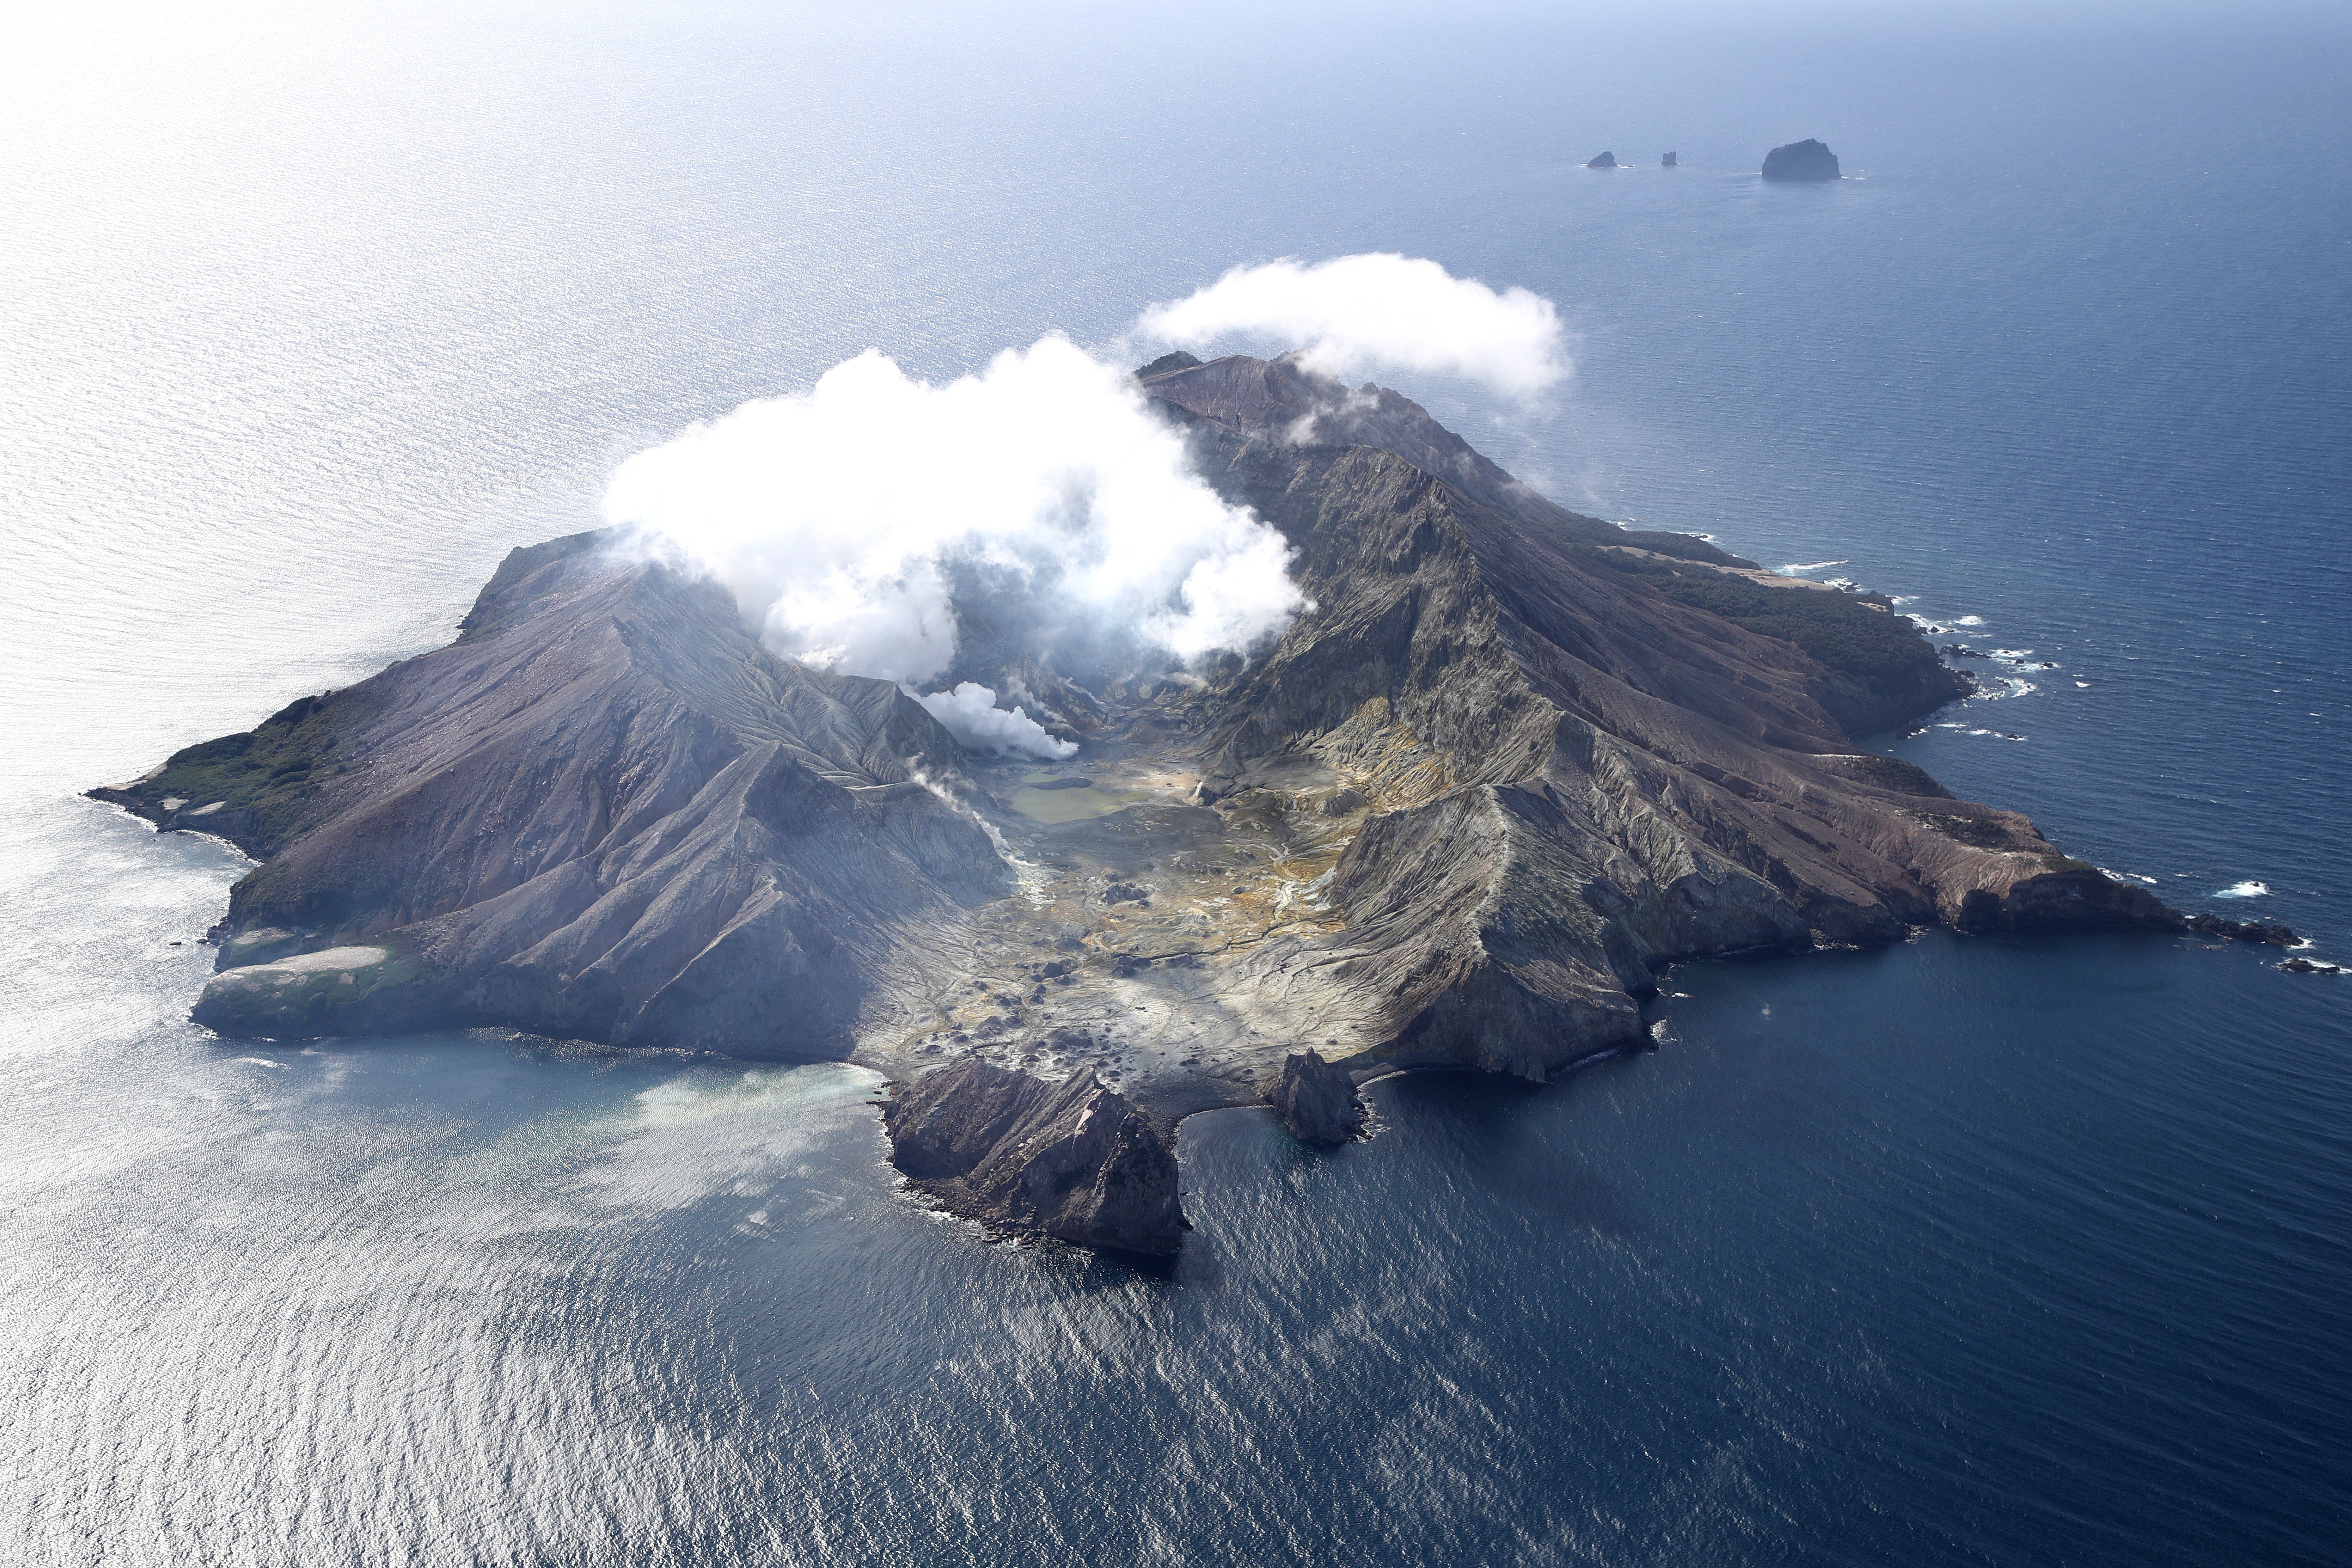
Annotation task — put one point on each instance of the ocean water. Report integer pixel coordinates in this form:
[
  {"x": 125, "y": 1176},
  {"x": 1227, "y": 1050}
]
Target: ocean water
[{"x": 1969, "y": 1251}]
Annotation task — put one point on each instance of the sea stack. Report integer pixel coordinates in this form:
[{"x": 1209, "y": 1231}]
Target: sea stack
[
  {"x": 1667, "y": 161},
  {"x": 1806, "y": 160},
  {"x": 1606, "y": 160},
  {"x": 1316, "y": 1099}
]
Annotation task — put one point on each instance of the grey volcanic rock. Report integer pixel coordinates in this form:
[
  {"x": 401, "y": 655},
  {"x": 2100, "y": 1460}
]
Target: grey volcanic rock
[
  {"x": 1806, "y": 160},
  {"x": 1280, "y": 399},
  {"x": 1606, "y": 160},
  {"x": 604, "y": 812},
  {"x": 1316, "y": 1099},
  {"x": 1073, "y": 1161}
]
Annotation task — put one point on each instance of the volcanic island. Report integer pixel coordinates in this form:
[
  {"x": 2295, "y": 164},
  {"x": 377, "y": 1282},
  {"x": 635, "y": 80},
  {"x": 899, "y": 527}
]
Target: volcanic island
[{"x": 1511, "y": 763}]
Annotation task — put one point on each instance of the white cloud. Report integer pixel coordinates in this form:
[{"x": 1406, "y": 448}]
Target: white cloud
[
  {"x": 842, "y": 519},
  {"x": 1366, "y": 314},
  {"x": 972, "y": 716},
  {"x": 1043, "y": 498}
]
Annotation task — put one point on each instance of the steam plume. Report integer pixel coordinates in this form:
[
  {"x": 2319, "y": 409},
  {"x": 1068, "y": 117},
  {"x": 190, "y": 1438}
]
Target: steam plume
[
  {"x": 972, "y": 716},
  {"x": 1365, "y": 314},
  {"x": 845, "y": 519},
  {"x": 875, "y": 523}
]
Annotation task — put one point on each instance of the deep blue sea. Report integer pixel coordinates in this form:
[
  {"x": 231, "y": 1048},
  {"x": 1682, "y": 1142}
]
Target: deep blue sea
[{"x": 1970, "y": 1251}]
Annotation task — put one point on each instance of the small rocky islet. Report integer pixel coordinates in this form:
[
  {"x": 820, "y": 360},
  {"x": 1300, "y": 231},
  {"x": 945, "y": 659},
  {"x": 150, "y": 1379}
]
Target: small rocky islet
[
  {"x": 1806, "y": 161},
  {"x": 1511, "y": 762}
]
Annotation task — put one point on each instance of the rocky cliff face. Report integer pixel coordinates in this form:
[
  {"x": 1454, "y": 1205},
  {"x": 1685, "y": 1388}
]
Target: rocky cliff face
[
  {"x": 1074, "y": 1162},
  {"x": 1806, "y": 160},
  {"x": 1512, "y": 761}
]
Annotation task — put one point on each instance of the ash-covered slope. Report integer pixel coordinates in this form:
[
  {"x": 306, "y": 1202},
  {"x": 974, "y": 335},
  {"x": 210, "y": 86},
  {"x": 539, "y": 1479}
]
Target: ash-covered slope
[
  {"x": 603, "y": 812},
  {"x": 1511, "y": 762}
]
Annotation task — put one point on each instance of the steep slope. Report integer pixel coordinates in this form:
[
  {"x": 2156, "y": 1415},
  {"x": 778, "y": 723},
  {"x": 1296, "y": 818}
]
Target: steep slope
[{"x": 603, "y": 811}]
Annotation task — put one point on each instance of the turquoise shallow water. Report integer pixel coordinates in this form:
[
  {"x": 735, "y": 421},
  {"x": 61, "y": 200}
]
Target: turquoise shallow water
[{"x": 1969, "y": 1251}]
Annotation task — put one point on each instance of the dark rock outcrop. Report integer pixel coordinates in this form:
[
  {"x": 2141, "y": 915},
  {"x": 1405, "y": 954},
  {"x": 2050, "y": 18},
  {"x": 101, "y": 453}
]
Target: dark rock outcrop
[
  {"x": 1073, "y": 1161},
  {"x": 1606, "y": 160},
  {"x": 1667, "y": 161},
  {"x": 1316, "y": 1099},
  {"x": 2241, "y": 931},
  {"x": 1179, "y": 360},
  {"x": 1806, "y": 160}
]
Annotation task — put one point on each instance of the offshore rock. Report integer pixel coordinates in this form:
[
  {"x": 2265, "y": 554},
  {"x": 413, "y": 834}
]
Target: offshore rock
[
  {"x": 1806, "y": 160},
  {"x": 1316, "y": 1099},
  {"x": 1667, "y": 161},
  {"x": 1606, "y": 160},
  {"x": 2242, "y": 931},
  {"x": 1075, "y": 1162}
]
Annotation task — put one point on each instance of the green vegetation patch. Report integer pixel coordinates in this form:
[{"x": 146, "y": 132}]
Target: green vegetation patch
[
  {"x": 270, "y": 770},
  {"x": 2068, "y": 862},
  {"x": 1682, "y": 546}
]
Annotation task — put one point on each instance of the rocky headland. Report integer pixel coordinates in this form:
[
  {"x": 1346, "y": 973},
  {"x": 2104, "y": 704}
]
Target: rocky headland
[
  {"x": 1512, "y": 763},
  {"x": 1028, "y": 1157}
]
